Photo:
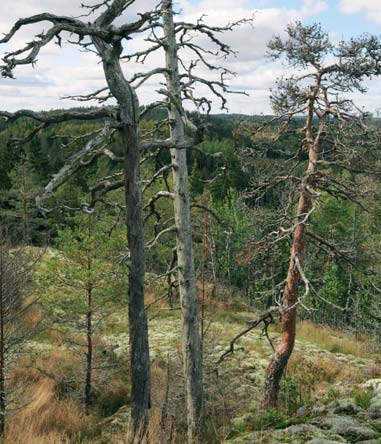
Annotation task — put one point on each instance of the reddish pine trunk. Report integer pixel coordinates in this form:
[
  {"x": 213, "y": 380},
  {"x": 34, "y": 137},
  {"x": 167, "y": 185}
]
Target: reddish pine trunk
[{"x": 282, "y": 354}]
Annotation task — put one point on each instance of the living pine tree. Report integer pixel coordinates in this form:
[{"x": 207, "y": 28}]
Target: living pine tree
[
  {"x": 21, "y": 198},
  {"x": 82, "y": 287},
  {"x": 334, "y": 133}
]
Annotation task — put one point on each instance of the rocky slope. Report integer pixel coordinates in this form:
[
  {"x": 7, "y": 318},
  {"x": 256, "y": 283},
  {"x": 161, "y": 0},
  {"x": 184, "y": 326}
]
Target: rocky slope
[
  {"x": 331, "y": 377},
  {"x": 341, "y": 421}
]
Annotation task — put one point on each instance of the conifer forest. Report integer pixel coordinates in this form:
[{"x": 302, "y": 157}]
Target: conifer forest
[{"x": 177, "y": 267}]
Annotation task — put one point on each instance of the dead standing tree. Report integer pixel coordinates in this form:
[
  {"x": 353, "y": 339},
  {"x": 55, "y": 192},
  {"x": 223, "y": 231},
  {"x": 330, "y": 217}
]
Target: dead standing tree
[
  {"x": 185, "y": 257},
  {"x": 328, "y": 72},
  {"x": 106, "y": 40},
  {"x": 182, "y": 82},
  {"x": 103, "y": 37}
]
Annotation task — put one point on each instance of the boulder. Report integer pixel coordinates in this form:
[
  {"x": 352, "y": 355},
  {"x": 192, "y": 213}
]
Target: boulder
[
  {"x": 300, "y": 430},
  {"x": 345, "y": 426},
  {"x": 346, "y": 406},
  {"x": 323, "y": 441},
  {"x": 373, "y": 384},
  {"x": 374, "y": 410},
  {"x": 302, "y": 412},
  {"x": 253, "y": 438},
  {"x": 319, "y": 410},
  {"x": 370, "y": 441},
  {"x": 300, "y": 433}
]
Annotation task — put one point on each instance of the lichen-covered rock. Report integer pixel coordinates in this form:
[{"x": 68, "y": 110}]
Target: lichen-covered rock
[
  {"x": 295, "y": 434},
  {"x": 255, "y": 438},
  {"x": 319, "y": 410},
  {"x": 345, "y": 426},
  {"x": 302, "y": 412},
  {"x": 300, "y": 430},
  {"x": 346, "y": 406},
  {"x": 373, "y": 384},
  {"x": 370, "y": 441},
  {"x": 374, "y": 410},
  {"x": 303, "y": 432},
  {"x": 323, "y": 441}
]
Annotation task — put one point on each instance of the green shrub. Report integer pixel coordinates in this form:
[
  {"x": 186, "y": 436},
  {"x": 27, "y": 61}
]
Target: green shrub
[
  {"x": 270, "y": 419},
  {"x": 289, "y": 397},
  {"x": 332, "y": 394},
  {"x": 362, "y": 398}
]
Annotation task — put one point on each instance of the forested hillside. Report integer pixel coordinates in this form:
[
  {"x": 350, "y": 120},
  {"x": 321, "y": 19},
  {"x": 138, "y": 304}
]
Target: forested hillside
[
  {"x": 239, "y": 269},
  {"x": 172, "y": 275},
  {"x": 229, "y": 171}
]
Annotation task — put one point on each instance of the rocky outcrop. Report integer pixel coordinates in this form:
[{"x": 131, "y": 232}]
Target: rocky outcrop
[
  {"x": 345, "y": 426},
  {"x": 340, "y": 422}
]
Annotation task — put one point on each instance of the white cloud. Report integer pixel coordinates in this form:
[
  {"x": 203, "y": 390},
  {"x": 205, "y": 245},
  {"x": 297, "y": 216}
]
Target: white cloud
[
  {"x": 65, "y": 71},
  {"x": 371, "y": 8},
  {"x": 312, "y": 7}
]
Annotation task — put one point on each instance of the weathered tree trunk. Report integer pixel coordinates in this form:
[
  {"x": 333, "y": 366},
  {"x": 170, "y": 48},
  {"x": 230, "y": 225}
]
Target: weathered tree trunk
[
  {"x": 186, "y": 271},
  {"x": 282, "y": 354},
  {"x": 89, "y": 351},
  {"x": 138, "y": 327},
  {"x": 2, "y": 341},
  {"x": 140, "y": 362}
]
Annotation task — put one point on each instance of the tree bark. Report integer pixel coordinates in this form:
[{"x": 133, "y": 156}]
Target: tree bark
[
  {"x": 186, "y": 272},
  {"x": 89, "y": 351},
  {"x": 282, "y": 354},
  {"x": 2, "y": 341},
  {"x": 138, "y": 326},
  {"x": 140, "y": 362}
]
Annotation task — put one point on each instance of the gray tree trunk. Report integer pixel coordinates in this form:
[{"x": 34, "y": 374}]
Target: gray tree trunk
[
  {"x": 107, "y": 39},
  {"x": 129, "y": 116},
  {"x": 89, "y": 351},
  {"x": 186, "y": 271},
  {"x": 2, "y": 341}
]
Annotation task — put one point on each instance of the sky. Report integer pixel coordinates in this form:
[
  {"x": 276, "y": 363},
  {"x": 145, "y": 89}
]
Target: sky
[{"x": 67, "y": 71}]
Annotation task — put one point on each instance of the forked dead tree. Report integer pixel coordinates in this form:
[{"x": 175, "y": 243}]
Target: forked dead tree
[
  {"x": 185, "y": 259},
  {"x": 182, "y": 81},
  {"x": 105, "y": 38}
]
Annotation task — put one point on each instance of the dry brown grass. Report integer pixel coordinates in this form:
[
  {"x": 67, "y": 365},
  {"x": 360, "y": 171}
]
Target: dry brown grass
[
  {"x": 49, "y": 419},
  {"x": 33, "y": 315},
  {"x": 45, "y": 419},
  {"x": 160, "y": 431},
  {"x": 313, "y": 372},
  {"x": 334, "y": 340}
]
